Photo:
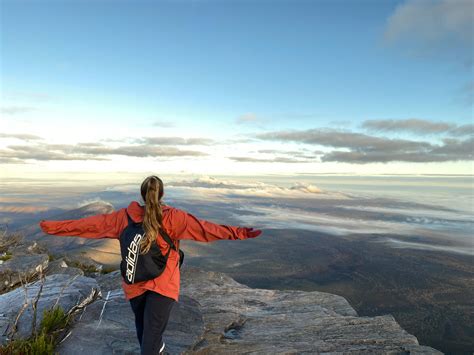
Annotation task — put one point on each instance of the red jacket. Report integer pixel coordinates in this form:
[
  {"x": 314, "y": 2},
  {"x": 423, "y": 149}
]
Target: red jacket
[{"x": 177, "y": 223}]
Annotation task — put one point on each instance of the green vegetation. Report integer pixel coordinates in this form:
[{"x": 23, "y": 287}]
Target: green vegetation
[
  {"x": 53, "y": 319},
  {"x": 87, "y": 268},
  {"x": 6, "y": 255},
  {"x": 45, "y": 340},
  {"x": 108, "y": 269}
]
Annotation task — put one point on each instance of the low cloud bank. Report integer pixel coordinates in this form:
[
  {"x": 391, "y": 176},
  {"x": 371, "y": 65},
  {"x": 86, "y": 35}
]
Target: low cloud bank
[{"x": 210, "y": 186}]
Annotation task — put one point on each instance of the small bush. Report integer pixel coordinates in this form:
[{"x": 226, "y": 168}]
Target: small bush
[
  {"x": 44, "y": 342},
  {"x": 87, "y": 268},
  {"x": 6, "y": 255},
  {"x": 39, "y": 345},
  {"x": 53, "y": 319},
  {"x": 108, "y": 269}
]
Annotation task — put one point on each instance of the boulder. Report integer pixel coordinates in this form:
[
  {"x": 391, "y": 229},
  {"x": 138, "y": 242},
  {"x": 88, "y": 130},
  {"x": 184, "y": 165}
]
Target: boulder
[
  {"x": 60, "y": 266},
  {"x": 85, "y": 263}
]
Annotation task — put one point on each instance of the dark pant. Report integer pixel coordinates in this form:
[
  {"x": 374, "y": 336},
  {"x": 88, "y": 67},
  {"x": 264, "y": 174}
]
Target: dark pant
[{"x": 152, "y": 311}]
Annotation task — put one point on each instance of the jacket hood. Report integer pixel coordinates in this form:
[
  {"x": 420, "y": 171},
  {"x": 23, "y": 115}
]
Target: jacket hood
[{"x": 137, "y": 211}]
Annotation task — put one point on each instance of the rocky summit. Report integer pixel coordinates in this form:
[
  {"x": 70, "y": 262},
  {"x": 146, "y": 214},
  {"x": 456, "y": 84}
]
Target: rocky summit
[{"x": 215, "y": 315}]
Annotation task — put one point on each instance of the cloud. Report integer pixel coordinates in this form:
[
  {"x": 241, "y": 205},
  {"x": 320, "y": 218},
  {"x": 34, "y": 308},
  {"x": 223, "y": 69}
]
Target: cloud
[
  {"x": 88, "y": 151},
  {"x": 295, "y": 153},
  {"x": 13, "y": 110},
  {"x": 300, "y": 186},
  {"x": 141, "y": 151},
  {"x": 269, "y": 160},
  {"x": 247, "y": 118},
  {"x": 414, "y": 125},
  {"x": 22, "y": 136},
  {"x": 364, "y": 148},
  {"x": 208, "y": 182},
  {"x": 92, "y": 200},
  {"x": 20, "y": 153},
  {"x": 396, "y": 243},
  {"x": 336, "y": 138},
  {"x": 464, "y": 130},
  {"x": 23, "y": 209},
  {"x": 5, "y": 160},
  {"x": 175, "y": 141},
  {"x": 418, "y": 126},
  {"x": 434, "y": 27},
  {"x": 206, "y": 186},
  {"x": 163, "y": 124}
]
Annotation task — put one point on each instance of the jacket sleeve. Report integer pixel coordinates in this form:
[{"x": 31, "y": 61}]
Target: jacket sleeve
[
  {"x": 98, "y": 226},
  {"x": 186, "y": 226}
]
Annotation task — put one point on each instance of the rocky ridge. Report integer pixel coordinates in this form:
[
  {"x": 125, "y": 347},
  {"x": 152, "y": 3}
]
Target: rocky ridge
[{"x": 215, "y": 314}]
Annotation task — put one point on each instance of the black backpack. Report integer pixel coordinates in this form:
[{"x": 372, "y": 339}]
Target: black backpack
[{"x": 136, "y": 267}]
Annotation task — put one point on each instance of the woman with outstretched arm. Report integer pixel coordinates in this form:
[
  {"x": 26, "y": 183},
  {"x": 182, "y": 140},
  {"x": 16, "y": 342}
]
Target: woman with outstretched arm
[{"x": 162, "y": 226}]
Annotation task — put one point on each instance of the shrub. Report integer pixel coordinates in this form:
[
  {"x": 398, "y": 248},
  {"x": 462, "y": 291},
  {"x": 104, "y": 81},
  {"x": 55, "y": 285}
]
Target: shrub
[{"x": 44, "y": 342}]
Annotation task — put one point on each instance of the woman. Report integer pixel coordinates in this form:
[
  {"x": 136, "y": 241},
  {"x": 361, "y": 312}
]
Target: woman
[{"x": 151, "y": 300}]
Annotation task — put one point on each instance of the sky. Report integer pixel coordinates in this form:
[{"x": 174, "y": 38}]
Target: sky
[{"x": 236, "y": 87}]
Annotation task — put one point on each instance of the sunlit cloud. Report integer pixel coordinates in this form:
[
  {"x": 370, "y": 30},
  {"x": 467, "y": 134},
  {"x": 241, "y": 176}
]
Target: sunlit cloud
[
  {"x": 23, "y": 209},
  {"x": 13, "y": 110},
  {"x": 270, "y": 160},
  {"x": 22, "y": 136},
  {"x": 247, "y": 118},
  {"x": 163, "y": 124},
  {"x": 89, "y": 151},
  {"x": 175, "y": 141},
  {"x": 206, "y": 187}
]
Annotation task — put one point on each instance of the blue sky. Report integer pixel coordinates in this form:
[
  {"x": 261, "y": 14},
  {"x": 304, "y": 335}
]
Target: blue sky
[{"x": 94, "y": 71}]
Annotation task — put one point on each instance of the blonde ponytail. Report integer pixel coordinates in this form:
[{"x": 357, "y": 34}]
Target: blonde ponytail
[{"x": 152, "y": 192}]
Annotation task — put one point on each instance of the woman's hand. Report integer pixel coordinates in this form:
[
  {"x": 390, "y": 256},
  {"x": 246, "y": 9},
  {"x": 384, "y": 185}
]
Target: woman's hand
[{"x": 250, "y": 232}]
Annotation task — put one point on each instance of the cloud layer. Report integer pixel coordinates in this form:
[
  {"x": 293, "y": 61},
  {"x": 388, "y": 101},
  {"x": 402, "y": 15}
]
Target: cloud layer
[
  {"x": 89, "y": 151},
  {"x": 363, "y": 148},
  {"x": 418, "y": 126},
  {"x": 205, "y": 187}
]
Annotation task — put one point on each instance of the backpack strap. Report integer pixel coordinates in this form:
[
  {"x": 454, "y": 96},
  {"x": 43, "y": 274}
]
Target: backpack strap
[
  {"x": 165, "y": 235},
  {"x": 130, "y": 220},
  {"x": 167, "y": 238}
]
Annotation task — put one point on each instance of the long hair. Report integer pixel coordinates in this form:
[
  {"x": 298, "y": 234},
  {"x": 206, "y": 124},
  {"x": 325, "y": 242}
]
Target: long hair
[{"x": 152, "y": 192}]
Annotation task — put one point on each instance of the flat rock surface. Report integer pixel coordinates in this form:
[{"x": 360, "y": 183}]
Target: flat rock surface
[
  {"x": 110, "y": 281},
  {"x": 239, "y": 319},
  {"x": 216, "y": 315},
  {"x": 108, "y": 327}
]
